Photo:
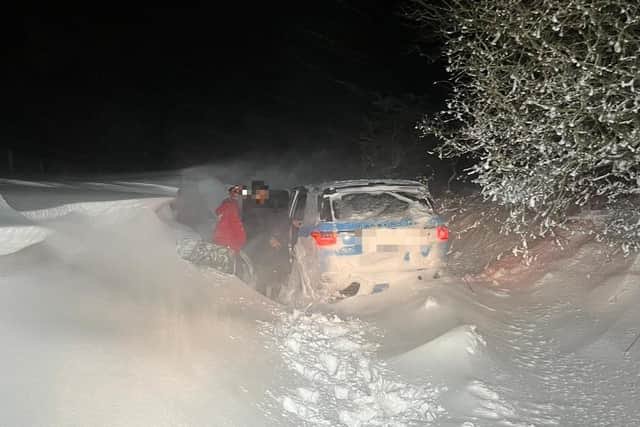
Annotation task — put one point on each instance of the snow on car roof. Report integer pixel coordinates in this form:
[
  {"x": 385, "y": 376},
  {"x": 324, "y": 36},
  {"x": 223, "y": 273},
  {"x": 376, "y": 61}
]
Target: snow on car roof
[
  {"x": 373, "y": 181},
  {"x": 361, "y": 184},
  {"x": 336, "y": 188}
]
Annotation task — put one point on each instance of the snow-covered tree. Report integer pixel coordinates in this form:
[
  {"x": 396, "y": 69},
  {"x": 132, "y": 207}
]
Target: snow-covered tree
[{"x": 546, "y": 99}]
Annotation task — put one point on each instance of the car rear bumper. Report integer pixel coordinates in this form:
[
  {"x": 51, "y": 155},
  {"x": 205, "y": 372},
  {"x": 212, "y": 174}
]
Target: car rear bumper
[{"x": 374, "y": 282}]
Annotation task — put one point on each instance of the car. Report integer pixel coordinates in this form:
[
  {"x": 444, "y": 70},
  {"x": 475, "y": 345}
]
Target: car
[{"x": 359, "y": 237}]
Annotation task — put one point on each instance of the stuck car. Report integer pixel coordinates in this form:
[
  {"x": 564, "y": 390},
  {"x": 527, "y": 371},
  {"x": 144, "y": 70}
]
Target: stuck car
[{"x": 361, "y": 236}]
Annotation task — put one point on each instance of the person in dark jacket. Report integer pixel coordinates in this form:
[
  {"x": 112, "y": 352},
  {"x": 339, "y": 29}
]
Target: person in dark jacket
[
  {"x": 267, "y": 245},
  {"x": 229, "y": 230}
]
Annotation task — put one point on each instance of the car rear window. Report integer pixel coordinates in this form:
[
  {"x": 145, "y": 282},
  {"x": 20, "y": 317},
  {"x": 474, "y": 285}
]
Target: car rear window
[{"x": 367, "y": 206}]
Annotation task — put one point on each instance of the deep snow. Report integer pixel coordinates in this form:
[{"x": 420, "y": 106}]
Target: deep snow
[{"x": 103, "y": 324}]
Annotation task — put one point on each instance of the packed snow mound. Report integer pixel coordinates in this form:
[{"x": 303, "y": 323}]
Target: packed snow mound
[
  {"x": 339, "y": 381},
  {"x": 16, "y": 231},
  {"x": 453, "y": 351},
  {"x": 15, "y": 238}
]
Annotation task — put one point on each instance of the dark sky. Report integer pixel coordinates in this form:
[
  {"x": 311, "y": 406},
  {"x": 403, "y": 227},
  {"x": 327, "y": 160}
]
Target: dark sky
[{"x": 81, "y": 84}]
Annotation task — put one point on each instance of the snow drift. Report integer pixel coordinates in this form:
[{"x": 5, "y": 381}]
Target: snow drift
[{"x": 103, "y": 324}]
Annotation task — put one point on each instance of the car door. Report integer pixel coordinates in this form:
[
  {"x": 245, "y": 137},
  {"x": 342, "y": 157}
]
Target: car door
[{"x": 296, "y": 215}]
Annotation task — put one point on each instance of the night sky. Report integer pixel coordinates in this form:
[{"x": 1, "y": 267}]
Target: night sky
[{"x": 107, "y": 88}]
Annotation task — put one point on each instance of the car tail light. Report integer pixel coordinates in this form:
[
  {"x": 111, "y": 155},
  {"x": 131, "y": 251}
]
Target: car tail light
[
  {"x": 442, "y": 232},
  {"x": 325, "y": 238}
]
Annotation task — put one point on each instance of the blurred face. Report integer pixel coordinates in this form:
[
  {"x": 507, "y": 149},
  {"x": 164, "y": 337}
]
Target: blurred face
[
  {"x": 235, "y": 193},
  {"x": 261, "y": 196}
]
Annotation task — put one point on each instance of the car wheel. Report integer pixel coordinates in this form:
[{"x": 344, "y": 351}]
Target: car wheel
[{"x": 351, "y": 290}]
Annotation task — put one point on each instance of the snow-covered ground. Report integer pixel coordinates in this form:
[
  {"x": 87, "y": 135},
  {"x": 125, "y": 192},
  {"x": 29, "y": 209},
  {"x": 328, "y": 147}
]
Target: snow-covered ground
[{"x": 103, "y": 324}]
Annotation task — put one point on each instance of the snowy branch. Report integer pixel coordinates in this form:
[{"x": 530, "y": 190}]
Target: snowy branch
[{"x": 547, "y": 100}]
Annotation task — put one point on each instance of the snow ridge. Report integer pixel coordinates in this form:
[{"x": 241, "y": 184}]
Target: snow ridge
[
  {"x": 20, "y": 229},
  {"x": 340, "y": 382},
  {"x": 111, "y": 209},
  {"x": 16, "y": 231}
]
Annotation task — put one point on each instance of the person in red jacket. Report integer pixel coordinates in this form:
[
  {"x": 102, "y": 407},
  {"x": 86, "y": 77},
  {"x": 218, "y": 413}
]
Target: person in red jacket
[{"x": 229, "y": 230}]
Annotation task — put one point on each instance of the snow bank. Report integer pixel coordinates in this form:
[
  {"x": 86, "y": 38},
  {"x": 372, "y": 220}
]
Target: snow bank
[
  {"x": 103, "y": 324},
  {"x": 19, "y": 230},
  {"x": 15, "y": 238},
  {"x": 111, "y": 211},
  {"x": 144, "y": 187},
  {"x": 36, "y": 195},
  {"x": 16, "y": 231}
]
